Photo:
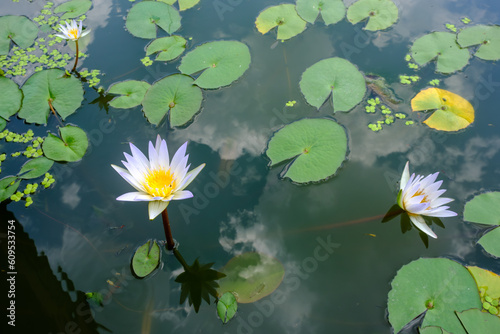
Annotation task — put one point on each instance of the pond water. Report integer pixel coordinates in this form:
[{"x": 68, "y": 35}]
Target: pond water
[{"x": 339, "y": 258}]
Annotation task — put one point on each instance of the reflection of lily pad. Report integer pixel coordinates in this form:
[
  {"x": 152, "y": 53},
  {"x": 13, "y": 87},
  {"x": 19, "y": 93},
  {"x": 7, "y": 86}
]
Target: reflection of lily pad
[
  {"x": 491, "y": 242},
  {"x": 444, "y": 47},
  {"x": 183, "y": 4},
  {"x": 452, "y": 112},
  {"x": 317, "y": 146},
  {"x": 35, "y": 167},
  {"x": 438, "y": 287},
  {"x": 146, "y": 259},
  {"x": 70, "y": 147},
  {"x": 73, "y": 8},
  {"x": 11, "y": 97},
  {"x": 8, "y": 186},
  {"x": 487, "y": 37},
  {"x": 332, "y": 11},
  {"x": 132, "y": 92},
  {"x": 168, "y": 48},
  {"x": 381, "y": 14},
  {"x": 227, "y": 307},
  {"x": 484, "y": 209},
  {"x": 143, "y": 18},
  {"x": 477, "y": 322},
  {"x": 336, "y": 77},
  {"x": 175, "y": 93},
  {"x": 19, "y": 29},
  {"x": 251, "y": 276},
  {"x": 284, "y": 17}
]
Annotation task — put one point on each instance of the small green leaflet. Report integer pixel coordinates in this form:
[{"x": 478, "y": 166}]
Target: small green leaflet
[
  {"x": 146, "y": 259},
  {"x": 227, "y": 307}
]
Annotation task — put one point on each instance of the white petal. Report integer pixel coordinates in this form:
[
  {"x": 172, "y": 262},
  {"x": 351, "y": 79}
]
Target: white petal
[
  {"x": 178, "y": 156},
  {"x": 441, "y": 201},
  {"x": 183, "y": 194},
  {"x": 155, "y": 208},
  {"x": 128, "y": 177},
  {"x": 405, "y": 176},
  {"x": 417, "y": 208},
  {"x": 436, "y": 194},
  {"x": 86, "y": 32},
  {"x": 419, "y": 222},
  {"x": 429, "y": 179},
  {"x": 180, "y": 170},
  {"x": 441, "y": 212},
  {"x": 153, "y": 157},
  {"x": 136, "y": 174},
  {"x": 191, "y": 175},
  {"x": 138, "y": 165},
  {"x": 62, "y": 36},
  {"x": 135, "y": 197},
  {"x": 163, "y": 156},
  {"x": 139, "y": 156}
]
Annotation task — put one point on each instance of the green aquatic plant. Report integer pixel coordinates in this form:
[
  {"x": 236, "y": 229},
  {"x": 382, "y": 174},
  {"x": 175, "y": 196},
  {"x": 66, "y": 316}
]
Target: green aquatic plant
[
  {"x": 465, "y": 20},
  {"x": 408, "y": 79},
  {"x": 17, "y": 29},
  {"x": 284, "y": 17},
  {"x": 183, "y": 4},
  {"x": 145, "y": 16},
  {"x": 166, "y": 48},
  {"x": 331, "y": 11},
  {"x": 72, "y": 9},
  {"x": 434, "y": 82},
  {"x": 146, "y": 259},
  {"x": 451, "y": 27},
  {"x": 131, "y": 93},
  {"x": 381, "y": 14},
  {"x": 227, "y": 307},
  {"x": 486, "y": 37}
]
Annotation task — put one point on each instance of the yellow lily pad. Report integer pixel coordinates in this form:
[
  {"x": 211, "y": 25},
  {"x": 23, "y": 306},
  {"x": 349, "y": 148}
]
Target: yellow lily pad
[
  {"x": 486, "y": 280},
  {"x": 452, "y": 112}
]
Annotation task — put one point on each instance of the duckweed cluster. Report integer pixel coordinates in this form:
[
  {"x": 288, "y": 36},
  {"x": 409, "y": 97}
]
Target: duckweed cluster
[
  {"x": 489, "y": 304},
  {"x": 434, "y": 82},
  {"x": 373, "y": 105},
  {"x": 147, "y": 61},
  {"x": 408, "y": 79}
]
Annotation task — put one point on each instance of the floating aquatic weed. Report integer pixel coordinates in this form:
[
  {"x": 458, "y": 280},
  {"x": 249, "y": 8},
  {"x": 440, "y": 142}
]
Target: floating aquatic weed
[{"x": 451, "y": 27}]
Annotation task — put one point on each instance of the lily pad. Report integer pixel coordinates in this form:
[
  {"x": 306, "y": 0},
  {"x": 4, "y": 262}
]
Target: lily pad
[
  {"x": 251, "y": 276},
  {"x": 432, "y": 330},
  {"x": 332, "y": 11},
  {"x": 452, "y": 112},
  {"x": 183, "y": 4},
  {"x": 168, "y": 48},
  {"x": 381, "y": 14},
  {"x": 227, "y": 307},
  {"x": 477, "y": 322},
  {"x": 132, "y": 92},
  {"x": 284, "y": 17},
  {"x": 175, "y": 93},
  {"x": 438, "y": 287},
  {"x": 336, "y": 77},
  {"x": 143, "y": 18},
  {"x": 3, "y": 124},
  {"x": 8, "y": 186},
  {"x": 317, "y": 146},
  {"x": 487, "y": 37},
  {"x": 35, "y": 168},
  {"x": 442, "y": 46},
  {"x": 484, "y": 209},
  {"x": 72, "y": 147},
  {"x": 11, "y": 97},
  {"x": 222, "y": 63},
  {"x": 73, "y": 8},
  {"x": 19, "y": 29},
  {"x": 491, "y": 242},
  {"x": 146, "y": 259},
  {"x": 65, "y": 93},
  {"x": 486, "y": 280}
]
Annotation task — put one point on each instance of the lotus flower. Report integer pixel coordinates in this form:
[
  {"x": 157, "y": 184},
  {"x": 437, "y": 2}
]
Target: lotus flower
[
  {"x": 157, "y": 180},
  {"x": 419, "y": 196},
  {"x": 72, "y": 31}
]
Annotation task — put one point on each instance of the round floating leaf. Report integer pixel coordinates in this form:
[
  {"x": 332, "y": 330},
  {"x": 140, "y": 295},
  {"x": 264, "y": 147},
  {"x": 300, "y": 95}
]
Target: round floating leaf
[
  {"x": 221, "y": 62},
  {"x": 227, "y": 307},
  {"x": 317, "y": 146},
  {"x": 452, "y": 112},
  {"x": 35, "y": 168},
  {"x": 484, "y": 209},
  {"x": 381, "y": 14},
  {"x": 477, "y": 322},
  {"x": 143, "y": 18},
  {"x": 175, "y": 93},
  {"x": 73, "y": 8},
  {"x": 132, "y": 92},
  {"x": 335, "y": 76},
  {"x": 444, "y": 47},
  {"x": 332, "y": 11},
  {"x": 3, "y": 124},
  {"x": 438, "y": 287},
  {"x": 183, "y": 4},
  {"x": 491, "y": 242},
  {"x": 72, "y": 147},
  {"x": 11, "y": 97},
  {"x": 8, "y": 186},
  {"x": 64, "y": 92},
  {"x": 19, "y": 29},
  {"x": 284, "y": 17},
  {"x": 251, "y": 276},
  {"x": 488, "y": 37},
  {"x": 146, "y": 259},
  {"x": 168, "y": 48},
  {"x": 486, "y": 280},
  {"x": 432, "y": 330}
]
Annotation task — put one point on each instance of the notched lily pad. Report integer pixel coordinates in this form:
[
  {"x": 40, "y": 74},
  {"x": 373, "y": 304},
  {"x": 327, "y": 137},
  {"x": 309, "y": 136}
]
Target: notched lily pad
[
  {"x": 484, "y": 209},
  {"x": 19, "y": 29},
  {"x": 332, "y": 11},
  {"x": 166, "y": 48},
  {"x": 183, "y": 4},
  {"x": 11, "y": 97},
  {"x": 143, "y": 18},
  {"x": 73, "y": 8},
  {"x": 70, "y": 147},
  {"x": 491, "y": 242},
  {"x": 381, "y": 14},
  {"x": 132, "y": 93},
  {"x": 146, "y": 259},
  {"x": 487, "y": 37},
  {"x": 35, "y": 167},
  {"x": 284, "y": 17}
]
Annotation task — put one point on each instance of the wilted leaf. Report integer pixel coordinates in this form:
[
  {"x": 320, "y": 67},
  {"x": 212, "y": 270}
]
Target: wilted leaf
[
  {"x": 332, "y": 11},
  {"x": 381, "y": 14},
  {"x": 284, "y": 17}
]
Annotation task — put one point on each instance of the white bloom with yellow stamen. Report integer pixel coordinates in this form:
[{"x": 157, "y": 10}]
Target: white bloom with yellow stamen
[
  {"x": 72, "y": 31},
  {"x": 419, "y": 196},
  {"x": 157, "y": 180}
]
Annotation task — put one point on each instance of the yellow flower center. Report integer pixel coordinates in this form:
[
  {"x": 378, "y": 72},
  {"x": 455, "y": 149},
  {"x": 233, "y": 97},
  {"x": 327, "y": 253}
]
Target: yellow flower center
[
  {"x": 159, "y": 183},
  {"x": 419, "y": 193},
  {"x": 73, "y": 33}
]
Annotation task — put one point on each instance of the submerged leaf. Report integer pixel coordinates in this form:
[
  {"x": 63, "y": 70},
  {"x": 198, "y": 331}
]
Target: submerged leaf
[
  {"x": 19, "y": 29},
  {"x": 487, "y": 37},
  {"x": 381, "y": 14},
  {"x": 332, "y": 11},
  {"x": 168, "y": 48},
  {"x": 11, "y": 97},
  {"x": 491, "y": 242},
  {"x": 146, "y": 259},
  {"x": 70, "y": 147},
  {"x": 73, "y": 8},
  {"x": 132, "y": 92},
  {"x": 484, "y": 209},
  {"x": 143, "y": 18},
  {"x": 284, "y": 17}
]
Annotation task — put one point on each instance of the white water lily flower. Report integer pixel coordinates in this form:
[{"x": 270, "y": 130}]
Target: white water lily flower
[
  {"x": 157, "y": 180},
  {"x": 72, "y": 31},
  {"x": 419, "y": 196}
]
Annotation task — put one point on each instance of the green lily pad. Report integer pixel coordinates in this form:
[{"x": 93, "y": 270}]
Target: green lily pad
[
  {"x": 168, "y": 48},
  {"x": 251, "y": 276},
  {"x": 132, "y": 92},
  {"x": 3, "y": 124},
  {"x": 11, "y": 97},
  {"x": 432, "y": 330},
  {"x": 381, "y": 14},
  {"x": 438, "y": 287},
  {"x": 143, "y": 18},
  {"x": 491, "y": 242},
  {"x": 183, "y": 4},
  {"x": 444, "y": 47},
  {"x": 284, "y": 17},
  {"x": 175, "y": 93},
  {"x": 477, "y": 322},
  {"x": 332, "y": 11},
  {"x": 487, "y": 37},
  {"x": 222, "y": 63},
  {"x": 8, "y": 186},
  {"x": 146, "y": 259},
  {"x": 484, "y": 209},
  {"x": 486, "y": 280},
  {"x": 73, "y": 8},
  {"x": 317, "y": 146},
  {"x": 336, "y": 77},
  {"x": 64, "y": 92},
  {"x": 227, "y": 307},
  {"x": 19, "y": 29},
  {"x": 35, "y": 167},
  {"x": 72, "y": 147}
]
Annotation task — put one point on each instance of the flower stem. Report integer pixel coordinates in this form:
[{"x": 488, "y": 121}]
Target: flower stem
[
  {"x": 181, "y": 260},
  {"x": 76, "y": 58},
  {"x": 168, "y": 233}
]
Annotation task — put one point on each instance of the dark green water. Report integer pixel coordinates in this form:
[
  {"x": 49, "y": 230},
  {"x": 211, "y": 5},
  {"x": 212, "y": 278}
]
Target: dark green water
[{"x": 240, "y": 204}]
